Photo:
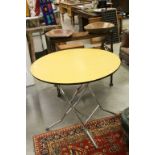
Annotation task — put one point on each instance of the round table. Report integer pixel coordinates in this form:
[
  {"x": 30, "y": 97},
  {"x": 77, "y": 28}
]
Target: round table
[{"x": 76, "y": 66}]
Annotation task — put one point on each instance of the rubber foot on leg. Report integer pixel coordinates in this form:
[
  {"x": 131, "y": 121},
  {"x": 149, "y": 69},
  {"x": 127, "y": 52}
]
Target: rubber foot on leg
[{"x": 111, "y": 84}]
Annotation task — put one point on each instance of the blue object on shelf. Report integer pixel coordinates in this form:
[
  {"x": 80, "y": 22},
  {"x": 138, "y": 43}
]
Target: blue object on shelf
[{"x": 48, "y": 12}]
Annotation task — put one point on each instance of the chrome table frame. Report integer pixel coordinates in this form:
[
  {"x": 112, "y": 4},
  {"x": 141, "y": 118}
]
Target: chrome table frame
[{"x": 76, "y": 97}]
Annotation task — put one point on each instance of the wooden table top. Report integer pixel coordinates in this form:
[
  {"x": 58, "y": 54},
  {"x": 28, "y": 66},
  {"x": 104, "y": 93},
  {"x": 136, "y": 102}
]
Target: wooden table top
[
  {"x": 75, "y": 66},
  {"x": 87, "y": 13},
  {"x": 73, "y": 3},
  {"x": 99, "y": 27}
]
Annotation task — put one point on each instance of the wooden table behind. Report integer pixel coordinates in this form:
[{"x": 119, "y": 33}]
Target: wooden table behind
[{"x": 85, "y": 17}]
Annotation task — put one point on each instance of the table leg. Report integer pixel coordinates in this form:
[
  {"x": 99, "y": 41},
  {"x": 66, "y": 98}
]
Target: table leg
[
  {"x": 72, "y": 20},
  {"x": 62, "y": 17},
  {"x": 75, "y": 112},
  {"x": 53, "y": 46},
  {"x": 111, "y": 43},
  {"x": 48, "y": 44},
  {"x": 97, "y": 102},
  {"x": 31, "y": 46},
  {"x": 82, "y": 22},
  {"x": 79, "y": 93},
  {"x": 120, "y": 25},
  {"x": 72, "y": 103},
  {"x": 111, "y": 80},
  {"x": 40, "y": 35},
  {"x": 104, "y": 47},
  {"x": 58, "y": 90}
]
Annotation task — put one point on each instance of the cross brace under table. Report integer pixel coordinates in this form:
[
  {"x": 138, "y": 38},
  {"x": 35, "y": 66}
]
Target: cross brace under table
[{"x": 76, "y": 97}]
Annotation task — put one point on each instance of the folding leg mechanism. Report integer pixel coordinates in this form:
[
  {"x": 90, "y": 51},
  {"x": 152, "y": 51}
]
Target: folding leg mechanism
[{"x": 78, "y": 94}]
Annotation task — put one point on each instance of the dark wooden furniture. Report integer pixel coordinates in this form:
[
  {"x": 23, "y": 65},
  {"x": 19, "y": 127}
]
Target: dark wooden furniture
[
  {"x": 97, "y": 27},
  {"x": 124, "y": 47},
  {"x": 67, "y": 7},
  {"x": 69, "y": 46},
  {"x": 58, "y": 33},
  {"x": 85, "y": 17},
  {"x": 110, "y": 15},
  {"x": 121, "y": 5},
  {"x": 51, "y": 42}
]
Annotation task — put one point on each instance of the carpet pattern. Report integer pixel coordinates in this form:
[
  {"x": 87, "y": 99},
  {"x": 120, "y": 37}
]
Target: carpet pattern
[{"x": 72, "y": 140}]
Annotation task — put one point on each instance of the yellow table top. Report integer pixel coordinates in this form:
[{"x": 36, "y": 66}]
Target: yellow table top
[{"x": 75, "y": 66}]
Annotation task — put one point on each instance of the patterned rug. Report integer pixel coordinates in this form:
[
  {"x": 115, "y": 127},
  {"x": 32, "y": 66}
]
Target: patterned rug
[{"x": 107, "y": 133}]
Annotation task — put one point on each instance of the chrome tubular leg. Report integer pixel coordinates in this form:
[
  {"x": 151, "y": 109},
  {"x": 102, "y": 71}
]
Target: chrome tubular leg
[
  {"x": 73, "y": 102},
  {"x": 75, "y": 112},
  {"x": 58, "y": 91},
  {"x": 90, "y": 137},
  {"x": 91, "y": 114},
  {"x": 70, "y": 103},
  {"x": 59, "y": 121},
  {"x": 77, "y": 91},
  {"x": 93, "y": 94},
  {"x": 74, "y": 97},
  {"x": 86, "y": 130}
]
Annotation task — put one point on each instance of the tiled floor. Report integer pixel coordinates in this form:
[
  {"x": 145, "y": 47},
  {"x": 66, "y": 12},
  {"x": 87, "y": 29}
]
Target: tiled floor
[{"x": 44, "y": 107}]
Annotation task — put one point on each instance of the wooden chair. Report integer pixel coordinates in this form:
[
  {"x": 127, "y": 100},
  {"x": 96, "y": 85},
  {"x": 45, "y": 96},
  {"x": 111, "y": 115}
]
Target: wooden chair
[
  {"x": 110, "y": 15},
  {"x": 69, "y": 46}
]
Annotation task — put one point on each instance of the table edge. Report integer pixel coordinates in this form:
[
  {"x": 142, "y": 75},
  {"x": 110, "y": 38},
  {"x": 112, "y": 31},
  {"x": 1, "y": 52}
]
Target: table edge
[{"x": 77, "y": 83}]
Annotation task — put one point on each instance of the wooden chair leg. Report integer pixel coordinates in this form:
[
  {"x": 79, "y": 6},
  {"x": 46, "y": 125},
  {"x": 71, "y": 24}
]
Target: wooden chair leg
[
  {"x": 62, "y": 15},
  {"x": 111, "y": 44},
  {"x": 111, "y": 41},
  {"x": 73, "y": 20}
]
